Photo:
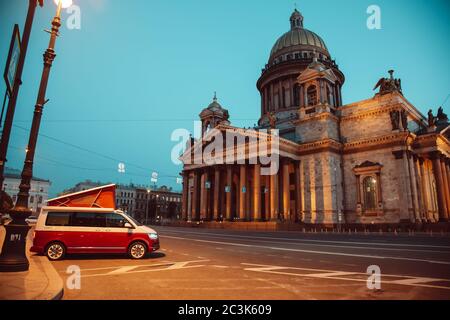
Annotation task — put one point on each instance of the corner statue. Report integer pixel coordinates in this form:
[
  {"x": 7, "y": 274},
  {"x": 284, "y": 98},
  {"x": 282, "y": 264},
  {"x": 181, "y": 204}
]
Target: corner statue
[
  {"x": 441, "y": 115},
  {"x": 388, "y": 85}
]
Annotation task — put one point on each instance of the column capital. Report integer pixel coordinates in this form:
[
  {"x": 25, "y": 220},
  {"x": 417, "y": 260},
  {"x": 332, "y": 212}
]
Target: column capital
[{"x": 434, "y": 155}]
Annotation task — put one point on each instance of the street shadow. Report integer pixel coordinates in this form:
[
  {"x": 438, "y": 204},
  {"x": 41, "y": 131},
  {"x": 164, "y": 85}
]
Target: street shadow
[{"x": 92, "y": 256}]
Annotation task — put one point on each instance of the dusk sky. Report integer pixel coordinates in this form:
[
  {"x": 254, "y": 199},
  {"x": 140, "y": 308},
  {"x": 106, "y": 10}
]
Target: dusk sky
[{"x": 139, "y": 69}]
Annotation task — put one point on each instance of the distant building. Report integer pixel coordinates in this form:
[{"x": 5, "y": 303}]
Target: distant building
[
  {"x": 155, "y": 203},
  {"x": 126, "y": 198},
  {"x": 38, "y": 192}
]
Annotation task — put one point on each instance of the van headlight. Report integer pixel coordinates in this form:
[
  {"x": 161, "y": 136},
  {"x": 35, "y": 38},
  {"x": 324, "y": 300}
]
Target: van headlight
[{"x": 153, "y": 236}]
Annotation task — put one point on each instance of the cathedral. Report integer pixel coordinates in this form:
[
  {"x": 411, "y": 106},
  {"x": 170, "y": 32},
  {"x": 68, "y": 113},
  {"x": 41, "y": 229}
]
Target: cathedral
[{"x": 377, "y": 161}]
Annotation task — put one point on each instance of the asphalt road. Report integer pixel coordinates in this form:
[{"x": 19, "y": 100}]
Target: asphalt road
[{"x": 218, "y": 264}]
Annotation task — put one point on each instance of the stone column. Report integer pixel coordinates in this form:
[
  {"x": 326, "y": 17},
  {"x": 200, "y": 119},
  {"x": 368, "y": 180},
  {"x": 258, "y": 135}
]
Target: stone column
[
  {"x": 184, "y": 210},
  {"x": 257, "y": 192},
  {"x": 446, "y": 181},
  {"x": 433, "y": 214},
  {"x": 413, "y": 182},
  {"x": 286, "y": 192},
  {"x": 267, "y": 198},
  {"x": 422, "y": 187},
  {"x": 216, "y": 194},
  {"x": 274, "y": 197},
  {"x": 228, "y": 194},
  {"x": 242, "y": 191},
  {"x": 301, "y": 95},
  {"x": 437, "y": 171},
  {"x": 298, "y": 193},
  {"x": 195, "y": 197},
  {"x": 406, "y": 195},
  {"x": 291, "y": 93},
  {"x": 358, "y": 195},
  {"x": 379, "y": 190},
  {"x": 202, "y": 196}
]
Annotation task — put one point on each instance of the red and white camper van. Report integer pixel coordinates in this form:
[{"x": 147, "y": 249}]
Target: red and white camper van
[{"x": 64, "y": 229}]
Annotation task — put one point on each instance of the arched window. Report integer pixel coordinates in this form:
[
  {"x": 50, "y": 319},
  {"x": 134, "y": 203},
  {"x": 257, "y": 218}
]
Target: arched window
[
  {"x": 370, "y": 193},
  {"x": 312, "y": 95},
  {"x": 296, "y": 95}
]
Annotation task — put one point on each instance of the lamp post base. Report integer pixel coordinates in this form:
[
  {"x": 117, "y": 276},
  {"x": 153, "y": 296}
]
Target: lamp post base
[{"x": 13, "y": 257}]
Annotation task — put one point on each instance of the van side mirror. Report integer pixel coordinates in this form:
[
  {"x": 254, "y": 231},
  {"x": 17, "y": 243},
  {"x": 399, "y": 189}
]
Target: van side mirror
[{"x": 128, "y": 225}]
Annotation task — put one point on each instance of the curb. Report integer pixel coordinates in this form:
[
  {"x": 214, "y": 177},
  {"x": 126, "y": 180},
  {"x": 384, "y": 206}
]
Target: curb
[{"x": 55, "y": 287}]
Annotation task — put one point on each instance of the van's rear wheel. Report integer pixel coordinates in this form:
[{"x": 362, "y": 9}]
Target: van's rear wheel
[
  {"x": 55, "y": 251},
  {"x": 137, "y": 250}
]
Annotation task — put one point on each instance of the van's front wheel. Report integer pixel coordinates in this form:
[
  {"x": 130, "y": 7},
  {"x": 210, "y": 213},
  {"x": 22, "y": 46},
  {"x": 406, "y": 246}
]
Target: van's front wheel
[
  {"x": 137, "y": 250},
  {"x": 55, "y": 251}
]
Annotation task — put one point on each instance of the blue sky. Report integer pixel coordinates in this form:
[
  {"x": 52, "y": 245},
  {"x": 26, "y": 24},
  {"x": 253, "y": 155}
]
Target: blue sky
[{"x": 139, "y": 69}]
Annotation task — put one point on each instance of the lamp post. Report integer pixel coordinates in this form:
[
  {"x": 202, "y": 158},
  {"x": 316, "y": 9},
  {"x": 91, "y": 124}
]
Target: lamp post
[
  {"x": 146, "y": 207},
  {"x": 13, "y": 257}
]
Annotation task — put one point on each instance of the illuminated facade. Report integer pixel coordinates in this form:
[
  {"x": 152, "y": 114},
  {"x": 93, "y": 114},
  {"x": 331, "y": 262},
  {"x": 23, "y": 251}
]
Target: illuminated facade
[{"x": 377, "y": 161}]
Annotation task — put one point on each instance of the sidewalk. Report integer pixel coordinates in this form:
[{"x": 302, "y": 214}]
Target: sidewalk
[{"x": 41, "y": 282}]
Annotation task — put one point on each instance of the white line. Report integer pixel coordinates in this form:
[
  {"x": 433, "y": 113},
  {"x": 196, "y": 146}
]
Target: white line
[
  {"x": 336, "y": 275},
  {"x": 117, "y": 267},
  {"x": 309, "y": 240},
  {"x": 165, "y": 267},
  {"x": 312, "y": 251},
  {"x": 123, "y": 270}
]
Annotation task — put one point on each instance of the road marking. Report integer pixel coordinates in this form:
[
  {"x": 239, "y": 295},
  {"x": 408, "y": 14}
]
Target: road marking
[
  {"x": 319, "y": 241},
  {"x": 123, "y": 270},
  {"x": 132, "y": 269},
  {"x": 312, "y": 251},
  {"x": 338, "y": 275}
]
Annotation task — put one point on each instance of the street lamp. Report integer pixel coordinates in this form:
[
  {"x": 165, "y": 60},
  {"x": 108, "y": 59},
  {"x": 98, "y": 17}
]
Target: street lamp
[
  {"x": 13, "y": 257},
  {"x": 9, "y": 117},
  {"x": 146, "y": 206}
]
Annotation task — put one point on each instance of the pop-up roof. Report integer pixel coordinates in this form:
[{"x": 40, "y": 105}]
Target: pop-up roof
[{"x": 101, "y": 197}]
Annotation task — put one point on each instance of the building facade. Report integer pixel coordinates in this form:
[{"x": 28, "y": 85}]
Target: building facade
[
  {"x": 376, "y": 161},
  {"x": 38, "y": 191}
]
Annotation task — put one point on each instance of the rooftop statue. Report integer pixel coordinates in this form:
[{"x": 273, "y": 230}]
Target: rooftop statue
[
  {"x": 388, "y": 85},
  {"x": 431, "y": 118},
  {"x": 441, "y": 116}
]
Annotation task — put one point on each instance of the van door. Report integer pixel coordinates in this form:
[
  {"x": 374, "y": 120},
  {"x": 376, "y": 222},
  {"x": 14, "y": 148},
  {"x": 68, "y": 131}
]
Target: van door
[
  {"x": 116, "y": 236},
  {"x": 89, "y": 228}
]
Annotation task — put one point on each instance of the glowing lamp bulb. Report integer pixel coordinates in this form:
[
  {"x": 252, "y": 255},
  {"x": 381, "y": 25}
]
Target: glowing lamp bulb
[{"x": 64, "y": 3}]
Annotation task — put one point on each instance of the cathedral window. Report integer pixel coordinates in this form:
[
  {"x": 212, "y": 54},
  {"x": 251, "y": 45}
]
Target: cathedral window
[
  {"x": 370, "y": 193},
  {"x": 312, "y": 95},
  {"x": 368, "y": 188},
  {"x": 296, "y": 95}
]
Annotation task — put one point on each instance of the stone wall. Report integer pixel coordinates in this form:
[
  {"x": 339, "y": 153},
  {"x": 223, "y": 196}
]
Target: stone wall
[
  {"x": 321, "y": 188},
  {"x": 396, "y": 205}
]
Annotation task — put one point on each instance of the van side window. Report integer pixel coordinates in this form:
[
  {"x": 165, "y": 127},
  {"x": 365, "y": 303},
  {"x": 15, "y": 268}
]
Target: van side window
[
  {"x": 114, "y": 220},
  {"x": 86, "y": 219},
  {"x": 58, "y": 219}
]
